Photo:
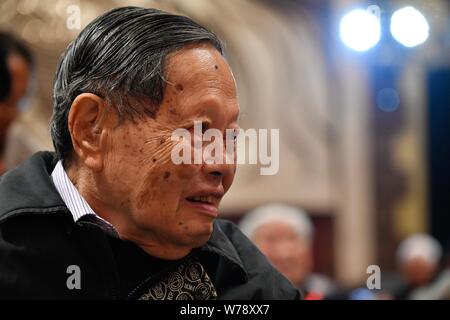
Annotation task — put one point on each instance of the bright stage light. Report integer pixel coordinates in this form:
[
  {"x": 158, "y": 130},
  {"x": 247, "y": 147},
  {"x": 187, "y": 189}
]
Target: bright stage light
[
  {"x": 409, "y": 27},
  {"x": 360, "y": 30}
]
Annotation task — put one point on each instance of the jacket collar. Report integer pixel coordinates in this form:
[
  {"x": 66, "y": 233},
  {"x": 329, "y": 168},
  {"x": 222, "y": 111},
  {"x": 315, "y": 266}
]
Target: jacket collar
[
  {"x": 29, "y": 189},
  {"x": 221, "y": 245}
]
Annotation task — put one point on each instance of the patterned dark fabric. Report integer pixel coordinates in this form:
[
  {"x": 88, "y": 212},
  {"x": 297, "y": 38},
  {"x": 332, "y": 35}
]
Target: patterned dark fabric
[{"x": 189, "y": 281}]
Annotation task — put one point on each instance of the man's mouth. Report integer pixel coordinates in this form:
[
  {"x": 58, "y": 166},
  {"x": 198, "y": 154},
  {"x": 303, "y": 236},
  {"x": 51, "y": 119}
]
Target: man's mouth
[
  {"x": 203, "y": 199},
  {"x": 206, "y": 202}
]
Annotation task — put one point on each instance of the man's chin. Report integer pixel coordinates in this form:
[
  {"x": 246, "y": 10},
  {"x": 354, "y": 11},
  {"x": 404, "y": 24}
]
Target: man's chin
[{"x": 201, "y": 234}]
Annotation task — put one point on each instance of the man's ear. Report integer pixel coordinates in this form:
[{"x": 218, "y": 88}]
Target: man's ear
[{"x": 88, "y": 129}]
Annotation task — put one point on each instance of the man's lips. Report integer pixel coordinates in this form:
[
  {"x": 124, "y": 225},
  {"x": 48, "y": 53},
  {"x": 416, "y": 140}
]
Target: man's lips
[
  {"x": 206, "y": 201},
  {"x": 205, "y": 208}
]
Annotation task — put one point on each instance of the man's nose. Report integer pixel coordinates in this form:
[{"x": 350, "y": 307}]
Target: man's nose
[
  {"x": 218, "y": 171},
  {"x": 219, "y": 166}
]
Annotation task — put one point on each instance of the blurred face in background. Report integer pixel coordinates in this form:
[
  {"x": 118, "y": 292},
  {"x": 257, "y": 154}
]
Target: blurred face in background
[
  {"x": 20, "y": 73},
  {"x": 288, "y": 251},
  {"x": 418, "y": 271},
  {"x": 20, "y": 76}
]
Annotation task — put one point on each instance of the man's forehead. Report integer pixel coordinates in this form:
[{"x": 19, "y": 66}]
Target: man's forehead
[{"x": 199, "y": 67}]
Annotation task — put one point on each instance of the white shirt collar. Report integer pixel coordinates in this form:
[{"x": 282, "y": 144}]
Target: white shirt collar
[{"x": 75, "y": 202}]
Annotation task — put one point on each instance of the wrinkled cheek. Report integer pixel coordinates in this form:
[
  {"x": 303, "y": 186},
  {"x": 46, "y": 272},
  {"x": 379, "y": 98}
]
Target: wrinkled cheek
[
  {"x": 162, "y": 181},
  {"x": 160, "y": 187},
  {"x": 152, "y": 190},
  {"x": 183, "y": 159},
  {"x": 185, "y": 172},
  {"x": 155, "y": 172},
  {"x": 121, "y": 167}
]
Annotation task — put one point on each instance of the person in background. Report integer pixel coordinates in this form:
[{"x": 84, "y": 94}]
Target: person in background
[
  {"x": 418, "y": 259},
  {"x": 285, "y": 235},
  {"x": 5, "y": 88},
  {"x": 17, "y": 65},
  {"x": 437, "y": 290},
  {"x": 5, "y": 80}
]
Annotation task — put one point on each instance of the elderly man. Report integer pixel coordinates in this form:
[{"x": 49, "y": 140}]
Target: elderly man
[
  {"x": 285, "y": 235},
  {"x": 109, "y": 215}
]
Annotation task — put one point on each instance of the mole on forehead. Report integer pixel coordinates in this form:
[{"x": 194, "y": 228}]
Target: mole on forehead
[
  {"x": 198, "y": 79},
  {"x": 210, "y": 83},
  {"x": 186, "y": 64}
]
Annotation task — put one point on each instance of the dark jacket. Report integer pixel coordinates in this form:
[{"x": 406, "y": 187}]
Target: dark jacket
[{"x": 39, "y": 241}]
